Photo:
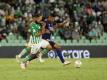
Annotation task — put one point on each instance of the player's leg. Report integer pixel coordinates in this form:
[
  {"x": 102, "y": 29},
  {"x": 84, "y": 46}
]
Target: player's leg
[
  {"x": 40, "y": 57},
  {"x": 33, "y": 54},
  {"x": 51, "y": 45},
  {"x": 27, "y": 59},
  {"x": 31, "y": 57},
  {"x": 59, "y": 53},
  {"x": 42, "y": 47},
  {"x": 26, "y": 50},
  {"x": 42, "y": 51},
  {"x": 58, "y": 50}
]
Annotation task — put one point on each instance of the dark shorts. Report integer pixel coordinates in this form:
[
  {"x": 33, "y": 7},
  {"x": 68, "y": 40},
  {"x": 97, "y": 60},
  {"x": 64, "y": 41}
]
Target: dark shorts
[
  {"x": 52, "y": 43},
  {"x": 33, "y": 56}
]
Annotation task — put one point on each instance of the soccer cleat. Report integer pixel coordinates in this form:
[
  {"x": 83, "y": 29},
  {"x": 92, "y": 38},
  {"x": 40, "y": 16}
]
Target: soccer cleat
[
  {"x": 17, "y": 58},
  {"x": 67, "y": 63},
  {"x": 23, "y": 65}
]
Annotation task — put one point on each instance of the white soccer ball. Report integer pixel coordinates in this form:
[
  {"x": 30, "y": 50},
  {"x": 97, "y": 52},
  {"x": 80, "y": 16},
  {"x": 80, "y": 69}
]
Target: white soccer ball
[{"x": 78, "y": 63}]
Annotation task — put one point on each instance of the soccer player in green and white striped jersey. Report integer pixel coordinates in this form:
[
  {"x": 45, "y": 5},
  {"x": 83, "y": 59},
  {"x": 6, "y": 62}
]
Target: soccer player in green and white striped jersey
[
  {"x": 36, "y": 30},
  {"x": 33, "y": 29}
]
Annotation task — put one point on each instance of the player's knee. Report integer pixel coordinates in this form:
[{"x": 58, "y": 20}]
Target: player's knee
[
  {"x": 57, "y": 46},
  {"x": 49, "y": 47}
]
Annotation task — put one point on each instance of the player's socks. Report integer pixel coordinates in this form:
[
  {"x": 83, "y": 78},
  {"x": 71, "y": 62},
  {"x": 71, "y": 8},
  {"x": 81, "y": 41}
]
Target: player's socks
[
  {"x": 17, "y": 58},
  {"x": 59, "y": 54},
  {"x": 41, "y": 52},
  {"x": 44, "y": 50},
  {"x": 27, "y": 58},
  {"x": 23, "y": 52},
  {"x": 33, "y": 56}
]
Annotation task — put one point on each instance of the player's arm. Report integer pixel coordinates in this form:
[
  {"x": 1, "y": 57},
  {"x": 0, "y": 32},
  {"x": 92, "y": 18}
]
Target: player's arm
[{"x": 61, "y": 25}]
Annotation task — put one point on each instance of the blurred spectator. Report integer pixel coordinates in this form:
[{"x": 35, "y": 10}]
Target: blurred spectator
[
  {"x": 104, "y": 20},
  {"x": 87, "y": 17}
]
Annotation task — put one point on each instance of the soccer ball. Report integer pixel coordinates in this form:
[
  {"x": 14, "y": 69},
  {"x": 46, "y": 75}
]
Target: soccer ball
[{"x": 78, "y": 63}]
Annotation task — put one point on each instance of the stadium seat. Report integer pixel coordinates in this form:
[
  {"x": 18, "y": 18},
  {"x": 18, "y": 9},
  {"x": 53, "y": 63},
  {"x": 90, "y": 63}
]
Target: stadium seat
[
  {"x": 74, "y": 42},
  {"x": 81, "y": 42},
  {"x": 11, "y": 41},
  {"x": 63, "y": 42},
  {"x": 93, "y": 42},
  {"x": 3, "y": 43},
  {"x": 68, "y": 42},
  {"x": 87, "y": 42},
  {"x": 23, "y": 41},
  {"x": 104, "y": 41},
  {"x": 20, "y": 37},
  {"x": 0, "y": 44},
  {"x": 99, "y": 42},
  {"x": 10, "y": 44},
  {"x": 83, "y": 37},
  {"x": 58, "y": 40},
  {"x": 104, "y": 35}
]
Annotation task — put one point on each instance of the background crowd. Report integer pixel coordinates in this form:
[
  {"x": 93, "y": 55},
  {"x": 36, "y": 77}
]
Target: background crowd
[{"x": 87, "y": 17}]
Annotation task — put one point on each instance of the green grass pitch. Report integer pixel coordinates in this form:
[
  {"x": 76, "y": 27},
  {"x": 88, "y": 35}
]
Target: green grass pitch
[{"x": 52, "y": 69}]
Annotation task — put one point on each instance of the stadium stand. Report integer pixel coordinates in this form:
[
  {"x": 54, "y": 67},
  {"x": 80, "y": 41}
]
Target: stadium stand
[{"x": 87, "y": 26}]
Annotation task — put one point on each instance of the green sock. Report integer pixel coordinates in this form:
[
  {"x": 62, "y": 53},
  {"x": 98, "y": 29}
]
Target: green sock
[
  {"x": 44, "y": 51},
  {"x": 27, "y": 58},
  {"x": 24, "y": 51}
]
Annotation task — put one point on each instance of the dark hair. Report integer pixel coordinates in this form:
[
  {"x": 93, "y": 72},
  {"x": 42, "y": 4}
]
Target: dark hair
[{"x": 37, "y": 15}]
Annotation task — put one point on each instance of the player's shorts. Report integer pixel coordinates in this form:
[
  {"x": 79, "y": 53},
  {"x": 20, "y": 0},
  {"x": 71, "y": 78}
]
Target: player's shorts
[
  {"x": 52, "y": 43},
  {"x": 36, "y": 48}
]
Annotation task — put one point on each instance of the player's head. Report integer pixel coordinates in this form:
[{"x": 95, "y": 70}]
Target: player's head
[
  {"x": 38, "y": 18},
  {"x": 50, "y": 18}
]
